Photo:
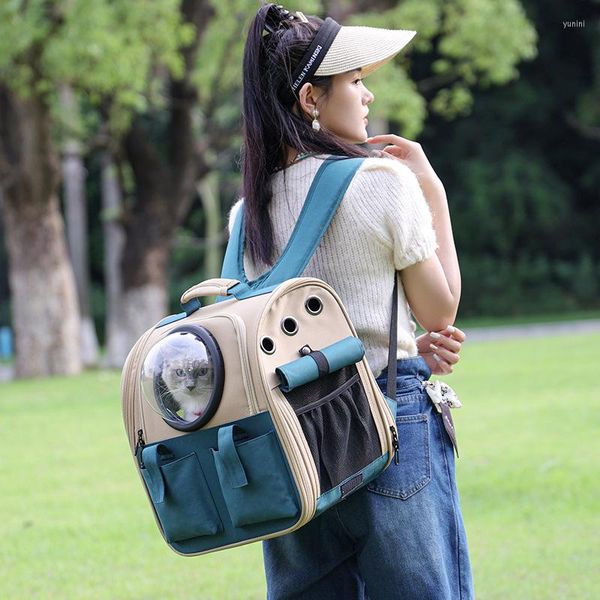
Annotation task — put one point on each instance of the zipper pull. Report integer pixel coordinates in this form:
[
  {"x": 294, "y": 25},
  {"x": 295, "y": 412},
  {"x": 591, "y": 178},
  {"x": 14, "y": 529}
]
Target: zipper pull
[
  {"x": 139, "y": 447},
  {"x": 395, "y": 445}
]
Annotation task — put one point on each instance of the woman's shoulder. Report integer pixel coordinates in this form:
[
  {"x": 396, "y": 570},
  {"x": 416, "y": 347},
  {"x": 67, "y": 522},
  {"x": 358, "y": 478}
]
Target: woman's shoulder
[
  {"x": 383, "y": 171},
  {"x": 385, "y": 182},
  {"x": 382, "y": 182}
]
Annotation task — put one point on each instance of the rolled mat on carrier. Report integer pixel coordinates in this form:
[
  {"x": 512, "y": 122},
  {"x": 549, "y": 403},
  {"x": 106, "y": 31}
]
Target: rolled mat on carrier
[{"x": 320, "y": 362}]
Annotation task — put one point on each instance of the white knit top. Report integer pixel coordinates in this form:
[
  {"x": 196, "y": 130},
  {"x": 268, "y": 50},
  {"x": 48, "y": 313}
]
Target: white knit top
[{"x": 383, "y": 223}]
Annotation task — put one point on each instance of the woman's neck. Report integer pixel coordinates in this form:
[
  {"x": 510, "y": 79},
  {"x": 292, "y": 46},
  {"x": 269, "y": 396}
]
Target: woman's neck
[{"x": 292, "y": 156}]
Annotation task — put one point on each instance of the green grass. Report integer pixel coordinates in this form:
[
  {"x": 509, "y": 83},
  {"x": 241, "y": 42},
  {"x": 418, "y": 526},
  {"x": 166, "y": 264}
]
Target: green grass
[
  {"x": 76, "y": 523},
  {"x": 529, "y": 468}
]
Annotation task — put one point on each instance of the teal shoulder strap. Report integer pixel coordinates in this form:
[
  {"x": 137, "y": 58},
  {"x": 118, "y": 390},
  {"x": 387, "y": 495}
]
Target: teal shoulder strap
[
  {"x": 231, "y": 269},
  {"x": 324, "y": 196}
]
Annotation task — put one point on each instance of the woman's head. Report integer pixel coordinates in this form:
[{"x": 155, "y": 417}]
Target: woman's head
[
  {"x": 294, "y": 66},
  {"x": 342, "y": 108},
  {"x": 274, "y": 116}
]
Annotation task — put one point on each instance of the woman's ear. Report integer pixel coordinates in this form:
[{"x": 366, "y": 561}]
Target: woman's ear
[{"x": 307, "y": 99}]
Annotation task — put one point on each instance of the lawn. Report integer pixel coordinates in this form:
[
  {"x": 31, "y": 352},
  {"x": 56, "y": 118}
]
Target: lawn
[{"x": 76, "y": 523}]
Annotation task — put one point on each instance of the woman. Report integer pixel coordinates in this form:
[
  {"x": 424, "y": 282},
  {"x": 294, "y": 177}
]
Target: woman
[{"x": 304, "y": 99}]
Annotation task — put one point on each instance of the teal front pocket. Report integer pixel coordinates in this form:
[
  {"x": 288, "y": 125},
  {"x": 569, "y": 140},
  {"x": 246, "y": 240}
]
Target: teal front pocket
[
  {"x": 254, "y": 478},
  {"x": 180, "y": 494}
]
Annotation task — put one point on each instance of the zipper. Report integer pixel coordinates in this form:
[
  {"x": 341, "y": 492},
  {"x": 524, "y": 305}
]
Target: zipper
[
  {"x": 139, "y": 447},
  {"x": 132, "y": 386},
  {"x": 395, "y": 444}
]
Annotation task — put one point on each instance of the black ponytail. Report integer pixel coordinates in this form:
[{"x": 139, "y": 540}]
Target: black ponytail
[{"x": 273, "y": 49}]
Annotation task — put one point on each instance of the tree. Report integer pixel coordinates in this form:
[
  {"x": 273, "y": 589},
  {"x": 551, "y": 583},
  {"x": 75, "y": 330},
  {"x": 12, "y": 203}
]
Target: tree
[
  {"x": 45, "y": 307},
  {"x": 75, "y": 208},
  {"x": 40, "y": 49},
  {"x": 166, "y": 80},
  {"x": 523, "y": 179}
]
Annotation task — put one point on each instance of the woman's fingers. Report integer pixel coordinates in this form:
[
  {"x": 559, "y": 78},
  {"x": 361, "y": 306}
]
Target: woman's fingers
[
  {"x": 440, "y": 349},
  {"x": 423, "y": 342},
  {"x": 440, "y": 365},
  {"x": 456, "y": 333},
  {"x": 390, "y": 138},
  {"x": 396, "y": 151},
  {"x": 397, "y": 154},
  {"x": 445, "y": 341},
  {"x": 436, "y": 362},
  {"x": 450, "y": 357}
]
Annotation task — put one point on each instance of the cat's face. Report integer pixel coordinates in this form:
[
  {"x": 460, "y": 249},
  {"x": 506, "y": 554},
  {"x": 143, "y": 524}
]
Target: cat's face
[{"x": 190, "y": 382}]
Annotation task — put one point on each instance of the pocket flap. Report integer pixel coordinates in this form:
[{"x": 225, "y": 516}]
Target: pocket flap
[{"x": 229, "y": 459}]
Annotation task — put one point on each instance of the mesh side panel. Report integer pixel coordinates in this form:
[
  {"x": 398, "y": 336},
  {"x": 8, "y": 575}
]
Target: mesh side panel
[
  {"x": 308, "y": 393},
  {"x": 338, "y": 425}
]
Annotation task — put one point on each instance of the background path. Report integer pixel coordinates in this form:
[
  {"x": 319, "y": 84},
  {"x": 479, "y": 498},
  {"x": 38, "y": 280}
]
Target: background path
[{"x": 505, "y": 332}]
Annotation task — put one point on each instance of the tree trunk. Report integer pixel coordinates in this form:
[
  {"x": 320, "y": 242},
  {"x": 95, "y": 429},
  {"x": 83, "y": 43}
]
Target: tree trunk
[
  {"x": 165, "y": 183},
  {"x": 45, "y": 310},
  {"x": 144, "y": 268},
  {"x": 208, "y": 190},
  {"x": 117, "y": 342},
  {"x": 76, "y": 219}
]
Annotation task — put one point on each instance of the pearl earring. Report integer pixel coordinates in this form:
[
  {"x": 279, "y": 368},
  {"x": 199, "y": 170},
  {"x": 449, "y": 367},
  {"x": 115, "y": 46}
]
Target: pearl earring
[{"x": 315, "y": 124}]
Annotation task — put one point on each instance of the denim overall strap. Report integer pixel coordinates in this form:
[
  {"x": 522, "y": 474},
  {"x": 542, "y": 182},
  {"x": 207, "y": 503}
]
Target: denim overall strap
[{"x": 325, "y": 195}]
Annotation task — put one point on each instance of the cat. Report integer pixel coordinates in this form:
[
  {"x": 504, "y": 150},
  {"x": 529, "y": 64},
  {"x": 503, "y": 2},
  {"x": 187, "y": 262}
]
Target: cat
[{"x": 188, "y": 384}]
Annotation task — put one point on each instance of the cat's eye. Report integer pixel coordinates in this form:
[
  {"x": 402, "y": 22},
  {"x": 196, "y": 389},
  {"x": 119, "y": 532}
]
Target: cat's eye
[{"x": 182, "y": 377}]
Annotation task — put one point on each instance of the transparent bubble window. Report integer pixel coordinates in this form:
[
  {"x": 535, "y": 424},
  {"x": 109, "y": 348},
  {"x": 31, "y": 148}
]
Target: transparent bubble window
[{"x": 182, "y": 377}]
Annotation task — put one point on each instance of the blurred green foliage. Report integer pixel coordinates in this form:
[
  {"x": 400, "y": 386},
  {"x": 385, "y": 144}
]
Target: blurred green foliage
[
  {"x": 502, "y": 97},
  {"x": 107, "y": 50}
]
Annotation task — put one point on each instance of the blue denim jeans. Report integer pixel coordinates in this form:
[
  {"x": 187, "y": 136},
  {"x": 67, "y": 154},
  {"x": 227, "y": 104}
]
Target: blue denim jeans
[{"x": 400, "y": 537}]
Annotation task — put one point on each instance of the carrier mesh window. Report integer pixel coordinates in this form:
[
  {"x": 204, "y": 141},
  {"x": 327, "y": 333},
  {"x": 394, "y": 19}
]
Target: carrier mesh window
[{"x": 337, "y": 422}]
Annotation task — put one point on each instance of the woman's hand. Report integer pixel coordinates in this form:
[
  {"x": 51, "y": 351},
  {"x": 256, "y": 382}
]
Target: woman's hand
[
  {"x": 411, "y": 154},
  {"x": 441, "y": 349}
]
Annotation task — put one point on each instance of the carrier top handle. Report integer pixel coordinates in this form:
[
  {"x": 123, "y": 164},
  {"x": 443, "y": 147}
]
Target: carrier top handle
[{"x": 326, "y": 192}]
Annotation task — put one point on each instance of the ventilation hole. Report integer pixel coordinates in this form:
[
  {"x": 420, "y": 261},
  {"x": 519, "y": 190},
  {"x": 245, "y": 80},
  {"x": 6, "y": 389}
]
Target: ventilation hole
[
  {"x": 267, "y": 345},
  {"x": 289, "y": 325},
  {"x": 314, "y": 305}
]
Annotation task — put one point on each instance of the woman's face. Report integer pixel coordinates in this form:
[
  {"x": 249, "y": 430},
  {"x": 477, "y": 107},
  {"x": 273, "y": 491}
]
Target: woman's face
[{"x": 344, "y": 110}]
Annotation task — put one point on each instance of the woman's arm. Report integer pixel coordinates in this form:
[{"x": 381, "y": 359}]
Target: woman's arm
[
  {"x": 429, "y": 295},
  {"x": 435, "y": 194},
  {"x": 432, "y": 286}
]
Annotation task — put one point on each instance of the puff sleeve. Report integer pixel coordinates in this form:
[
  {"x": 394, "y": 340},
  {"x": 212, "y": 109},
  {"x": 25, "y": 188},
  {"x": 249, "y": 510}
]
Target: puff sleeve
[{"x": 395, "y": 209}]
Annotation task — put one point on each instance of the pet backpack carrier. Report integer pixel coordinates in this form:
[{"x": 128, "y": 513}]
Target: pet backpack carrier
[{"x": 250, "y": 416}]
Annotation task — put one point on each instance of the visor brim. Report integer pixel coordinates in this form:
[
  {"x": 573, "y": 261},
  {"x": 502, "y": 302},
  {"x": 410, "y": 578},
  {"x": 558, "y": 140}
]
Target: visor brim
[{"x": 365, "y": 48}]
